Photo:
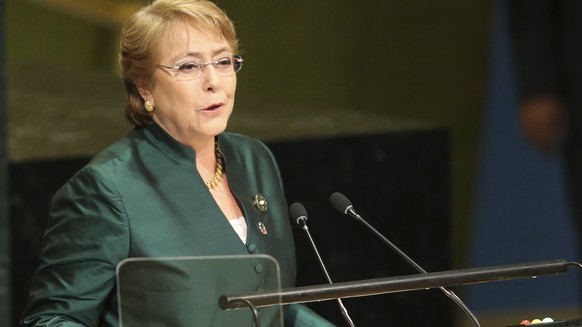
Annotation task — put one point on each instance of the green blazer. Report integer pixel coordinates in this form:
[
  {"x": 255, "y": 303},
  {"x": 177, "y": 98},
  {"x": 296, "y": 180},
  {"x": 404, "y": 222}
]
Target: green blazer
[{"x": 143, "y": 197}]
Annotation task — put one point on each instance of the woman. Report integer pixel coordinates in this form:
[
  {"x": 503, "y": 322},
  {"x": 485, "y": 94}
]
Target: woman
[{"x": 177, "y": 185}]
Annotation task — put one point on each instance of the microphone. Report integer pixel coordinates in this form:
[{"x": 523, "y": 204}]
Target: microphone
[
  {"x": 342, "y": 204},
  {"x": 298, "y": 212}
]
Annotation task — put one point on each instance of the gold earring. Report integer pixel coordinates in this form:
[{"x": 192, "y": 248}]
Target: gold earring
[{"x": 149, "y": 107}]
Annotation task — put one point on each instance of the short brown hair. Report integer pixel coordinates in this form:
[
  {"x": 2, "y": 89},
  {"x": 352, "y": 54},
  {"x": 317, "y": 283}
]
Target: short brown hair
[{"x": 140, "y": 36}]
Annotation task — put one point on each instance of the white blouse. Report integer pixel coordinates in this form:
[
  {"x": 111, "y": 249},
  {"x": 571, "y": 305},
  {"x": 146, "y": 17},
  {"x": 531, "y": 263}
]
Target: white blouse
[{"x": 240, "y": 227}]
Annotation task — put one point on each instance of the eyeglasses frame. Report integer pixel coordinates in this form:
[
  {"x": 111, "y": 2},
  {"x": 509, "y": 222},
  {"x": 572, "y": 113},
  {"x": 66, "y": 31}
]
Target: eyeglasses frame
[{"x": 235, "y": 59}]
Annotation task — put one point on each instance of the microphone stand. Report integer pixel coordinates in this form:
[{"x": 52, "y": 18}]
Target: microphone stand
[
  {"x": 342, "y": 204},
  {"x": 343, "y": 309},
  {"x": 445, "y": 290}
]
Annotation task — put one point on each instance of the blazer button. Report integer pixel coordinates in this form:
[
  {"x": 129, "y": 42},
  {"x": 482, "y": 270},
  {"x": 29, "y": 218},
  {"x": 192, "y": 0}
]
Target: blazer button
[
  {"x": 259, "y": 268},
  {"x": 252, "y": 248}
]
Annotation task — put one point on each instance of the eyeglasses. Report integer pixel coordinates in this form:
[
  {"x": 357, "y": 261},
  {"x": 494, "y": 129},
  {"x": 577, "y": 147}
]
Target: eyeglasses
[{"x": 189, "y": 69}]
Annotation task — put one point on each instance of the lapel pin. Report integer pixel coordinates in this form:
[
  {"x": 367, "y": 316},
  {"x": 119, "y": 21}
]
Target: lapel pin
[
  {"x": 262, "y": 228},
  {"x": 260, "y": 202}
]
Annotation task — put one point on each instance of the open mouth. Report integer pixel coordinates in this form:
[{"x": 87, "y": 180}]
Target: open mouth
[{"x": 213, "y": 107}]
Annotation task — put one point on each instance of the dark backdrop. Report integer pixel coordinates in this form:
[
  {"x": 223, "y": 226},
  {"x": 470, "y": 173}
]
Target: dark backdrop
[{"x": 399, "y": 183}]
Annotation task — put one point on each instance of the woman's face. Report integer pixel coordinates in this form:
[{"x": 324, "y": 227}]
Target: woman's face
[{"x": 191, "y": 110}]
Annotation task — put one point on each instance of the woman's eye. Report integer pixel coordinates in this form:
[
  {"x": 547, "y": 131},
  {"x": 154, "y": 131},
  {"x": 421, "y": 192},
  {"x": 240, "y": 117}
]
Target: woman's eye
[
  {"x": 188, "y": 66},
  {"x": 223, "y": 63}
]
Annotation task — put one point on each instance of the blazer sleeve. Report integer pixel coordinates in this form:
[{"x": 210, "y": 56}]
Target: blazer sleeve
[{"x": 86, "y": 237}]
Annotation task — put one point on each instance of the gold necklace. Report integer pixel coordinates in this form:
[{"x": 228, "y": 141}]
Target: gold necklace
[{"x": 215, "y": 181}]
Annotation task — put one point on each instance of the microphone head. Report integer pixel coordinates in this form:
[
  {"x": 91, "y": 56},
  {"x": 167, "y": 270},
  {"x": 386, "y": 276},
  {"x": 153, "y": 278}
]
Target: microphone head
[
  {"x": 340, "y": 202},
  {"x": 298, "y": 212}
]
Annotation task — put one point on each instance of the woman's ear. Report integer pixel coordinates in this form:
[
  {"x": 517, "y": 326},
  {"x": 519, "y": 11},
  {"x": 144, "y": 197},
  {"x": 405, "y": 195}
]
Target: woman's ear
[{"x": 144, "y": 89}]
